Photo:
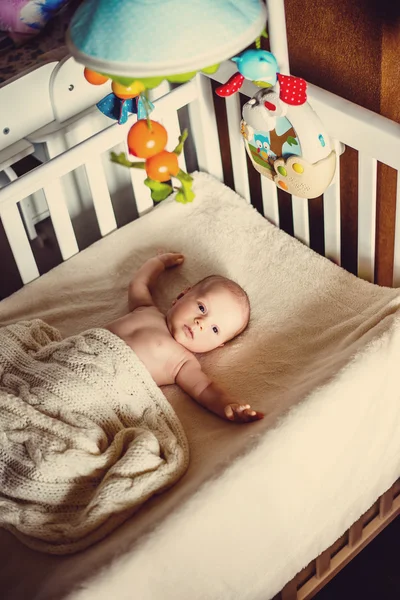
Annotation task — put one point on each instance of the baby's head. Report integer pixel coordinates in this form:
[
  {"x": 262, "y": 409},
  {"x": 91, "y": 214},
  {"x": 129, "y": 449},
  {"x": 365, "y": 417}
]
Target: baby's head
[{"x": 210, "y": 313}]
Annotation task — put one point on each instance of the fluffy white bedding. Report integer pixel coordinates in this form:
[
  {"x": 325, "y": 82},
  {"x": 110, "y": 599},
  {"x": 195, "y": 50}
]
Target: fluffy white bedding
[{"x": 258, "y": 502}]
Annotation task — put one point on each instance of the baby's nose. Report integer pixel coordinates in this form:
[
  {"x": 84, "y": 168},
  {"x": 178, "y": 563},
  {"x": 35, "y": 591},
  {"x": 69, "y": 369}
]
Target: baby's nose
[{"x": 199, "y": 323}]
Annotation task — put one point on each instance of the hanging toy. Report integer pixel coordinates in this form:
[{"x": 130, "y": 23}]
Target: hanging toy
[
  {"x": 93, "y": 77},
  {"x": 259, "y": 66},
  {"x": 146, "y": 138},
  {"x": 286, "y": 140},
  {"x": 283, "y": 136}
]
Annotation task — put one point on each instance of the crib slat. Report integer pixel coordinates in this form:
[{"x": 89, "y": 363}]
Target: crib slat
[
  {"x": 203, "y": 127},
  {"x": 289, "y": 592},
  {"x": 55, "y": 144},
  {"x": 101, "y": 198},
  {"x": 301, "y": 222},
  {"x": 54, "y": 193},
  {"x": 238, "y": 151},
  {"x": 386, "y": 502},
  {"x": 171, "y": 123},
  {"x": 331, "y": 202},
  {"x": 323, "y": 562},
  {"x": 396, "y": 257},
  {"x": 269, "y": 193},
  {"x": 143, "y": 200},
  {"x": 25, "y": 206},
  {"x": 144, "y": 203},
  {"x": 19, "y": 243},
  {"x": 277, "y": 33},
  {"x": 76, "y": 131},
  {"x": 142, "y": 194},
  {"x": 367, "y": 177},
  {"x": 355, "y": 533}
]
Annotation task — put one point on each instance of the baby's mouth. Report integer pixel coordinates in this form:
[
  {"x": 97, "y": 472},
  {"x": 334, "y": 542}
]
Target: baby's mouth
[{"x": 188, "y": 331}]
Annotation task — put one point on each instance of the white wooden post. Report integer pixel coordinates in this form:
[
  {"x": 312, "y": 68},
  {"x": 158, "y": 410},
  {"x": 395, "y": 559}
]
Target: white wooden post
[
  {"x": 367, "y": 177},
  {"x": 332, "y": 232},
  {"x": 203, "y": 125},
  {"x": 238, "y": 150},
  {"x": 301, "y": 222}
]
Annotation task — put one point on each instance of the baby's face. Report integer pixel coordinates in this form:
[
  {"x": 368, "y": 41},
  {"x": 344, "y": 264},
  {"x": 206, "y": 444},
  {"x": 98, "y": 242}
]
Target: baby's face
[{"x": 205, "y": 317}]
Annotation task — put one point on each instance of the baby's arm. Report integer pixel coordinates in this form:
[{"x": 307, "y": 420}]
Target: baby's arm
[
  {"x": 207, "y": 393},
  {"x": 140, "y": 288}
]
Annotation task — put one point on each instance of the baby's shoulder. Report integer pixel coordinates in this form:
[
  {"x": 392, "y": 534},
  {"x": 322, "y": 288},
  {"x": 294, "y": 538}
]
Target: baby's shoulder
[
  {"x": 147, "y": 310},
  {"x": 148, "y": 314}
]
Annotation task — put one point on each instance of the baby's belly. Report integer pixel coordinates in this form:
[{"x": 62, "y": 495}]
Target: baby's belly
[
  {"x": 156, "y": 362},
  {"x": 155, "y": 350}
]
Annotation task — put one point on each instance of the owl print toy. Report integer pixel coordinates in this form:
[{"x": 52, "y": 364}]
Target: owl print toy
[{"x": 284, "y": 138}]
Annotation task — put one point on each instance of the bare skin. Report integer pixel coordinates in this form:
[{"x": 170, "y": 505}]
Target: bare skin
[{"x": 201, "y": 319}]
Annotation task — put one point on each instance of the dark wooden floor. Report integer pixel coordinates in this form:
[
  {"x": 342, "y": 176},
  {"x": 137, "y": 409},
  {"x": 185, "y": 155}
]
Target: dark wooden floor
[{"x": 373, "y": 575}]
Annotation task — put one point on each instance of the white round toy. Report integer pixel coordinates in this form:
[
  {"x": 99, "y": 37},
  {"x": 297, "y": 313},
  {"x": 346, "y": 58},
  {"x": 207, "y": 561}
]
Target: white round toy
[{"x": 284, "y": 137}]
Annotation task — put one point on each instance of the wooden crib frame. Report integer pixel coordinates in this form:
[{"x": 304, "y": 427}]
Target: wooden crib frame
[{"x": 376, "y": 139}]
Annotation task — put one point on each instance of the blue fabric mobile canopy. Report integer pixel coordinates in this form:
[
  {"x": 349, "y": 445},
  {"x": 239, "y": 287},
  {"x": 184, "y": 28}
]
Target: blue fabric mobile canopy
[{"x": 149, "y": 38}]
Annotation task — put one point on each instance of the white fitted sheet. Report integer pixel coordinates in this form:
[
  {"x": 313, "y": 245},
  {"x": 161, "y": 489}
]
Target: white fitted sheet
[{"x": 258, "y": 502}]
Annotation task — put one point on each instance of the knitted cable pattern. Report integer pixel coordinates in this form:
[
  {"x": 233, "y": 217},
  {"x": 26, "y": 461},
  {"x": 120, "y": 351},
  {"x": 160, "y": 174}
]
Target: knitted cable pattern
[{"x": 86, "y": 436}]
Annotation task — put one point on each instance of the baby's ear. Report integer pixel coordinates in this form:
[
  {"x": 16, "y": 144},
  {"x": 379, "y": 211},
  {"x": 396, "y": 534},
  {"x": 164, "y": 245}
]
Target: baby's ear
[{"x": 179, "y": 296}]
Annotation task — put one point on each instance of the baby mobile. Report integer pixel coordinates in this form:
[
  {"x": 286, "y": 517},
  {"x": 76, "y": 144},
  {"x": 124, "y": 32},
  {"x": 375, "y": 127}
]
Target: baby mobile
[
  {"x": 115, "y": 39},
  {"x": 139, "y": 43}
]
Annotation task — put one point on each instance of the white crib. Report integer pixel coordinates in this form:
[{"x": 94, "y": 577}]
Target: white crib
[{"x": 375, "y": 138}]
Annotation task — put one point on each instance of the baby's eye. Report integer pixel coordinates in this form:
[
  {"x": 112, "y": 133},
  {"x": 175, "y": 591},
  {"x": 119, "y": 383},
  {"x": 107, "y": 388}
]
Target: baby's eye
[
  {"x": 215, "y": 329},
  {"x": 202, "y": 308}
]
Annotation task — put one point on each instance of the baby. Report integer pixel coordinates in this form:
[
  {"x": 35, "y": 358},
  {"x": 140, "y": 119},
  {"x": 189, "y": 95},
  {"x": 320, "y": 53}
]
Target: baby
[{"x": 202, "y": 318}]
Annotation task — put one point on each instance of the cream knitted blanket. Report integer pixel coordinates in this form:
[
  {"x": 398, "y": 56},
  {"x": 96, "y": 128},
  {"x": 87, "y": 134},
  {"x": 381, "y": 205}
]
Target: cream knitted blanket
[{"x": 86, "y": 436}]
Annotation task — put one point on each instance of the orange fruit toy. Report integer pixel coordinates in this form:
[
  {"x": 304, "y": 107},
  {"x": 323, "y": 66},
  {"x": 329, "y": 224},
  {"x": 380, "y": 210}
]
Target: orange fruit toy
[
  {"x": 162, "y": 166},
  {"x": 127, "y": 91},
  {"x": 145, "y": 141},
  {"x": 93, "y": 77}
]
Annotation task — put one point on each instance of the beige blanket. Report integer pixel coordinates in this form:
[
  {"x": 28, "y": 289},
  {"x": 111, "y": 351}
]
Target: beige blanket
[{"x": 86, "y": 436}]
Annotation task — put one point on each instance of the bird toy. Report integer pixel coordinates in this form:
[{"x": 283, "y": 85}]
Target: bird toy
[{"x": 257, "y": 65}]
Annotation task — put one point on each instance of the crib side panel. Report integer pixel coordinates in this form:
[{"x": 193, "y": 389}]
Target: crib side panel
[{"x": 80, "y": 166}]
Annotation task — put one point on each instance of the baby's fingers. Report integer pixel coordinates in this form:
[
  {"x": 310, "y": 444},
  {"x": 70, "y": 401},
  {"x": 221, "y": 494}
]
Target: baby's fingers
[
  {"x": 229, "y": 413},
  {"x": 171, "y": 259},
  {"x": 252, "y": 415},
  {"x": 233, "y": 409},
  {"x": 242, "y": 413}
]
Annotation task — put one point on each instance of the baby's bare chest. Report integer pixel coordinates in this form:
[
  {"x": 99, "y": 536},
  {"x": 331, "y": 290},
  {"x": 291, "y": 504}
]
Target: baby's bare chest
[{"x": 146, "y": 332}]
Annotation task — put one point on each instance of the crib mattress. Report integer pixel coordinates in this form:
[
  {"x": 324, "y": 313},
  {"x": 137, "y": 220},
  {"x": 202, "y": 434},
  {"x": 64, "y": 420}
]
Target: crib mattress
[{"x": 258, "y": 501}]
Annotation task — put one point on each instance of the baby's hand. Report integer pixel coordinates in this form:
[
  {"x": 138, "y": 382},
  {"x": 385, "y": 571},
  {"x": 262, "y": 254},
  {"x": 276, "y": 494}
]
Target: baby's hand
[
  {"x": 171, "y": 259},
  {"x": 242, "y": 413}
]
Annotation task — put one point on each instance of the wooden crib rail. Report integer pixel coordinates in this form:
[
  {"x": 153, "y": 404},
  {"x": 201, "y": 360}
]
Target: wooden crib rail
[{"x": 320, "y": 571}]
